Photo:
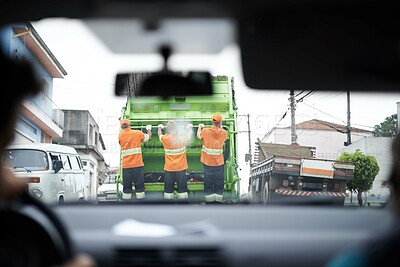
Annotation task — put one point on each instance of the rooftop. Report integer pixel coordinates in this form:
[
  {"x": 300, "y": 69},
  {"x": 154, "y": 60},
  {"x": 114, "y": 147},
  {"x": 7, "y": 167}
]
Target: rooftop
[{"x": 315, "y": 124}]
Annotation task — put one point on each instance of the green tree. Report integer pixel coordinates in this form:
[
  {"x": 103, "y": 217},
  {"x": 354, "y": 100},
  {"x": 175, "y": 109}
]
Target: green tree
[
  {"x": 387, "y": 128},
  {"x": 365, "y": 170}
]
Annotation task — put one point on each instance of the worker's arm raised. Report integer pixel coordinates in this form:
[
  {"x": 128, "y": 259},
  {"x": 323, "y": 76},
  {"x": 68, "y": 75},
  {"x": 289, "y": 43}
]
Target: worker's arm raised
[
  {"x": 148, "y": 128},
  {"x": 160, "y": 127},
  {"x": 201, "y": 126}
]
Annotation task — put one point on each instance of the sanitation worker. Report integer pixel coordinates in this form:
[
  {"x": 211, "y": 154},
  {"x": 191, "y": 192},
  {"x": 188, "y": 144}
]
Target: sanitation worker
[
  {"x": 212, "y": 157},
  {"x": 132, "y": 160},
  {"x": 175, "y": 160}
]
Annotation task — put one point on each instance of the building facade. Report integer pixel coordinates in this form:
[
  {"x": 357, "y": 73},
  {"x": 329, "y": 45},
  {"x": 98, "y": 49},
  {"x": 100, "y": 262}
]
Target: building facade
[
  {"x": 40, "y": 120},
  {"x": 327, "y": 138},
  {"x": 81, "y": 132}
]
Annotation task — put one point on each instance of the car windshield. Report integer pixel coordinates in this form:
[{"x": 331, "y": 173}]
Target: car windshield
[
  {"x": 278, "y": 146},
  {"x": 26, "y": 159}
]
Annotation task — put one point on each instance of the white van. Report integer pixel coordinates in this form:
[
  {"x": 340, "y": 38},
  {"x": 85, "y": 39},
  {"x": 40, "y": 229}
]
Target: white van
[{"x": 55, "y": 172}]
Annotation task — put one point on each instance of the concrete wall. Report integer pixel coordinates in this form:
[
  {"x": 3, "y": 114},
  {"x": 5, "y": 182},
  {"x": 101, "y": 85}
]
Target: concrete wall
[
  {"x": 82, "y": 132},
  {"x": 380, "y": 148},
  {"x": 75, "y": 128},
  {"x": 80, "y": 128}
]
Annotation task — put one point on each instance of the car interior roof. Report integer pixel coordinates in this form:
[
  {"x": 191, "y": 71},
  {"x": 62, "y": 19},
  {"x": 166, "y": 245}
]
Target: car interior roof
[{"x": 315, "y": 45}]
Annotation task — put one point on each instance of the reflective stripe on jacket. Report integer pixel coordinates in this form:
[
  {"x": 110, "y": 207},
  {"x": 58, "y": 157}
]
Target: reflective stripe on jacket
[
  {"x": 130, "y": 142},
  {"x": 175, "y": 152},
  {"x": 211, "y": 151},
  {"x": 213, "y": 141},
  {"x": 131, "y": 151}
]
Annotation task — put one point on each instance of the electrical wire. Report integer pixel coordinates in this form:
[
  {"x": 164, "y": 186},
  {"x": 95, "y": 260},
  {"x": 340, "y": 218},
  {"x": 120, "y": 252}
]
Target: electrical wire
[
  {"x": 323, "y": 112},
  {"x": 306, "y": 95}
]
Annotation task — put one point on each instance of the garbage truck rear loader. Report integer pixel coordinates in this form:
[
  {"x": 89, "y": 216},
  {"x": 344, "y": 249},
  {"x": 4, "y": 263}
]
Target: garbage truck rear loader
[{"x": 142, "y": 111}]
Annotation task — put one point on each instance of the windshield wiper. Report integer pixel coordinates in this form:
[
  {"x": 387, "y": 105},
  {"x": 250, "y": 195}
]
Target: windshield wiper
[{"x": 24, "y": 168}]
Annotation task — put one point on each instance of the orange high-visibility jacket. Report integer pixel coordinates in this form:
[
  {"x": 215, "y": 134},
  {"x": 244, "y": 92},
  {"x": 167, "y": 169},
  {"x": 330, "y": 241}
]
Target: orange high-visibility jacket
[
  {"x": 175, "y": 152},
  {"x": 130, "y": 142},
  {"x": 213, "y": 142}
]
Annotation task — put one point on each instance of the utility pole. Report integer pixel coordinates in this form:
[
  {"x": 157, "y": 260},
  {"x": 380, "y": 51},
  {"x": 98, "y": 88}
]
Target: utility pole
[
  {"x": 348, "y": 120},
  {"x": 248, "y": 157},
  {"x": 293, "y": 115},
  {"x": 248, "y": 130}
]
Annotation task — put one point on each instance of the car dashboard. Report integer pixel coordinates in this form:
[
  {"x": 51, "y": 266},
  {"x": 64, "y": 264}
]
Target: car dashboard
[{"x": 218, "y": 235}]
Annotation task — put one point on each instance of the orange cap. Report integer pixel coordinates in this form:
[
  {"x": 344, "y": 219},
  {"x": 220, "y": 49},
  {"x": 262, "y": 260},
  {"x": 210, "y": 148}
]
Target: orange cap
[
  {"x": 217, "y": 118},
  {"x": 125, "y": 122}
]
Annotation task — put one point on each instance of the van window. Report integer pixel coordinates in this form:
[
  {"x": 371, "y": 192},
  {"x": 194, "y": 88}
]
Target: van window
[
  {"x": 26, "y": 159},
  {"x": 74, "y": 162},
  {"x": 65, "y": 161},
  {"x": 54, "y": 157},
  {"x": 80, "y": 162}
]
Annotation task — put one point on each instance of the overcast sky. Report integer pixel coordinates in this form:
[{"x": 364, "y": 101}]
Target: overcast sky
[{"x": 91, "y": 69}]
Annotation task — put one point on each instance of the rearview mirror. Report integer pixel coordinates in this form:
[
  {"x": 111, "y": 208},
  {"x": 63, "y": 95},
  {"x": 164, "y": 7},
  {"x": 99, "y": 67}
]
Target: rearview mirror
[{"x": 163, "y": 84}]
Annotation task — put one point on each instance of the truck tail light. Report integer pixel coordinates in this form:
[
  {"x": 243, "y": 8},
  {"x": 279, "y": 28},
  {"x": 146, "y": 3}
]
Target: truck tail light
[
  {"x": 29, "y": 180},
  {"x": 35, "y": 180}
]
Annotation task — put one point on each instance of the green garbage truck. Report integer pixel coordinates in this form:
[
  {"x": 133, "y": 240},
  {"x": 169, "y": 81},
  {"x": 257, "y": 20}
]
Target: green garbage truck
[{"x": 149, "y": 110}]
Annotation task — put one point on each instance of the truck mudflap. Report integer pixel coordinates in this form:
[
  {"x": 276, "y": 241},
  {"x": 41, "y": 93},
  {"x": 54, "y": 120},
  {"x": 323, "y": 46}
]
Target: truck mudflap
[{"x": 309, "y": 193}]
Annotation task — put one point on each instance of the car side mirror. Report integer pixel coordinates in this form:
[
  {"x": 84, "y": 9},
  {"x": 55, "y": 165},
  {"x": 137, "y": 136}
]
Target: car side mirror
[{"x": 57, "y": 166}]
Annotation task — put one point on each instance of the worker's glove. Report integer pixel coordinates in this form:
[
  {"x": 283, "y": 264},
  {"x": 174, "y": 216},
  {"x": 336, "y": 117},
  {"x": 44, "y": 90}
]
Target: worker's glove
[
  {"x": 201, "y": 125},
  {"x": 148, "y": 127},
  {"x": 189, "y": 126},
  {"x": 160, "y": 126}
]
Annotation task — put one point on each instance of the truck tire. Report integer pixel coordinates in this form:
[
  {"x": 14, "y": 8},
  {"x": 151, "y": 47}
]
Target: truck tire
[{"x": 265, "y": 194}]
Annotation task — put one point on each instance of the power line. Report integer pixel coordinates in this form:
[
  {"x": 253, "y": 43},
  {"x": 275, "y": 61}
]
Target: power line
[
  {"x": 330, "y": 97},
  {"x": 372, "y": 120},
  {"x": 306, "y": 95},
  {"x": 366, "y": 126},
  {"x": 299, "y": 93},
  {"x": 323, "y": 112}
]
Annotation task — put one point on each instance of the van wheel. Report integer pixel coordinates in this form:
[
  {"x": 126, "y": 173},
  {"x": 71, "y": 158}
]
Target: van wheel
[
  {"x": 60, "y": 200},
  {"x": 265, "y": 194}
]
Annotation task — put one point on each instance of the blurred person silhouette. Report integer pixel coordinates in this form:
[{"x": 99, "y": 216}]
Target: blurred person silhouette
[
  {"x": 174, "y": 143},
  {"x": 19, "y": 81},
  {"x": 381, "y": 250}
]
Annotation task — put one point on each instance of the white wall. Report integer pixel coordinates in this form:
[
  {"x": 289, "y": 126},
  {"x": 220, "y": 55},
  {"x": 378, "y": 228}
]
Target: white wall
[
  {"x": 327, "y": 143},
  {"x": 380, "y": 148}
]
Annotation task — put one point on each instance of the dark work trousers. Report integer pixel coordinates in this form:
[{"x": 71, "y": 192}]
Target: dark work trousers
[
  {"x": 213, "y": 180},
  {"x": 171, "y": 177},
  {"x": 135, "y": 176}
]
